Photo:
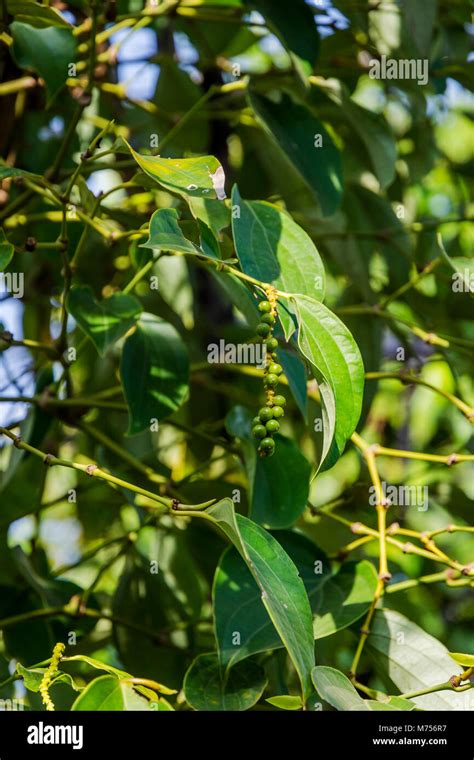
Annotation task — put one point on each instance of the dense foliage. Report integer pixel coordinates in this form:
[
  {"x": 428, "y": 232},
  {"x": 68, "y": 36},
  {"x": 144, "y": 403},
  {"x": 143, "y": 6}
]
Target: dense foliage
[{"x": 235, "y": 355}]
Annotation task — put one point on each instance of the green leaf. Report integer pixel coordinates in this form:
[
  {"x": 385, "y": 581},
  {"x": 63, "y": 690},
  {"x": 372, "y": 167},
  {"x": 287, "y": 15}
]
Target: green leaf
[
  {"x": 336, "y": 600},
  {"x": 109, "y": 693},
  {"x": 295, "y": 372},
  {"x": 333, "y": 354},
  {"x": 47, "y": 51},
  {"x": 214, "y": 214},
  {"x": 32, "y": 678},
  {"x": 394, "y": 703},
  {"x": 207, "y": 687},
  {"x": 35, "y": 14},
  {"x": 336, "y": 689},
  {"x": 414, "y": 660},
  {"x": 466, "y": 660},
  {"x": 154, "y": 372},
  {"x": 104, "y": 322},
  {"x": 343, "y": 598},
  {"x": 282, "y": 590},
  {"x": 294, "y": 128},
  {"x": 286, "y": 702},
  {"x": 279, "y": 486},
  {"x": 166, "y": 234},
  {"x": 274, "y": 249},
  {"x": 300, "y": 34},
  {"x": 6, "y": 251},
  {"x": 186, "y": 176}
]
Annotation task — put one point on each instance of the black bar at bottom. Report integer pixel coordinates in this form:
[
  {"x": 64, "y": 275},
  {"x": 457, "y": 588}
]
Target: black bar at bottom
[{"x": 375, "y": 734}]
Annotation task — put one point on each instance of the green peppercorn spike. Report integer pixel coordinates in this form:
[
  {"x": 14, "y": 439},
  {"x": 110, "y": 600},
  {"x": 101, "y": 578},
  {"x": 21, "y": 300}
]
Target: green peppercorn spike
[
  {"x": 275, "y": 369},
  {"x": 265, "y": 414},
  {"x": 259, "y": 431},
  {"x": 271, "y": 380},
  {"x": 272, "y": 426},
  {"x": 271, "y": 344},
  {"x": 278, "y": 412},
  {"x": 263, "y": 329}
]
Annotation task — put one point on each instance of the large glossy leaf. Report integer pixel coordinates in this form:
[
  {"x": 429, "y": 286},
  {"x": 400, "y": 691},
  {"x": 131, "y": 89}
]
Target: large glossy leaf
[
  {"x": 333, "y": 355},
  {"x": 336, "y": 600},
  {"x": 414, "y": 660},
  {"x": 186, "y": 176},
  {"x": 154, "y": 372},
  {"x": 279, "y": 485},
  {"x": 282, "y": 591},
  {"x": 208, "y": 686},
  {"x": 103, "y": 321},
  {"x": 295, "y": 128},
  {"x": 109, "y": 693},
  {"x": 47, "y": 51},
  {"x": 274, "y": 249}
]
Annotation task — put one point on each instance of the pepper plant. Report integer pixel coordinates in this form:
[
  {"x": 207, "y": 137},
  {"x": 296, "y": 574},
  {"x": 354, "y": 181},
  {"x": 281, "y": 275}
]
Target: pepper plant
[{"x": 236, "y": 355}]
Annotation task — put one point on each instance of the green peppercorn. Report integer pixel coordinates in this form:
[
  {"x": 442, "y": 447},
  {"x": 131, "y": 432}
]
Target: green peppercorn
[
  {"x": 278, "y": 411},
  {"x": 271, "y": 344},
  {"x": 272, "y": 426},
  {"x": 265, "y": 414},
  {"x": 255, "y": 421},
  {"x": 270, "y": 380},
  {"x": 279, "y": 400},
  {"x": 269, "y": 319},
  {"x": 259, "y": 431},
  {"x": 267, "y": 445},
  {"x": 265, "y": 306},
  {"x": 263, "y": 329},
  {"x": 275, "y": 369}
]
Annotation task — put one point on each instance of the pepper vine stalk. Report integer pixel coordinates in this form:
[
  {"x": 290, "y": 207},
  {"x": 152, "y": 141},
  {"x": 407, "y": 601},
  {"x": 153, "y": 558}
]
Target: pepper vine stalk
[{"x": 171, "y": 505}]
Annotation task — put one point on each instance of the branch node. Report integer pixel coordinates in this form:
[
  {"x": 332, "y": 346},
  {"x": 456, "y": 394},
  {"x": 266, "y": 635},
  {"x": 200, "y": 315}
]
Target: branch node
[
  {"x": 91, "y": 468},
  {"x": 48, "y": 460},
  {"x": 452, "y": 459},
  {"x": 356, "y": 527}
]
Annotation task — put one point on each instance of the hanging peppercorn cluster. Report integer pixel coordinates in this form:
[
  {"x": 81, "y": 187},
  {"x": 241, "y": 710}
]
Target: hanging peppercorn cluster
[{"x": 266, "y": 424}]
